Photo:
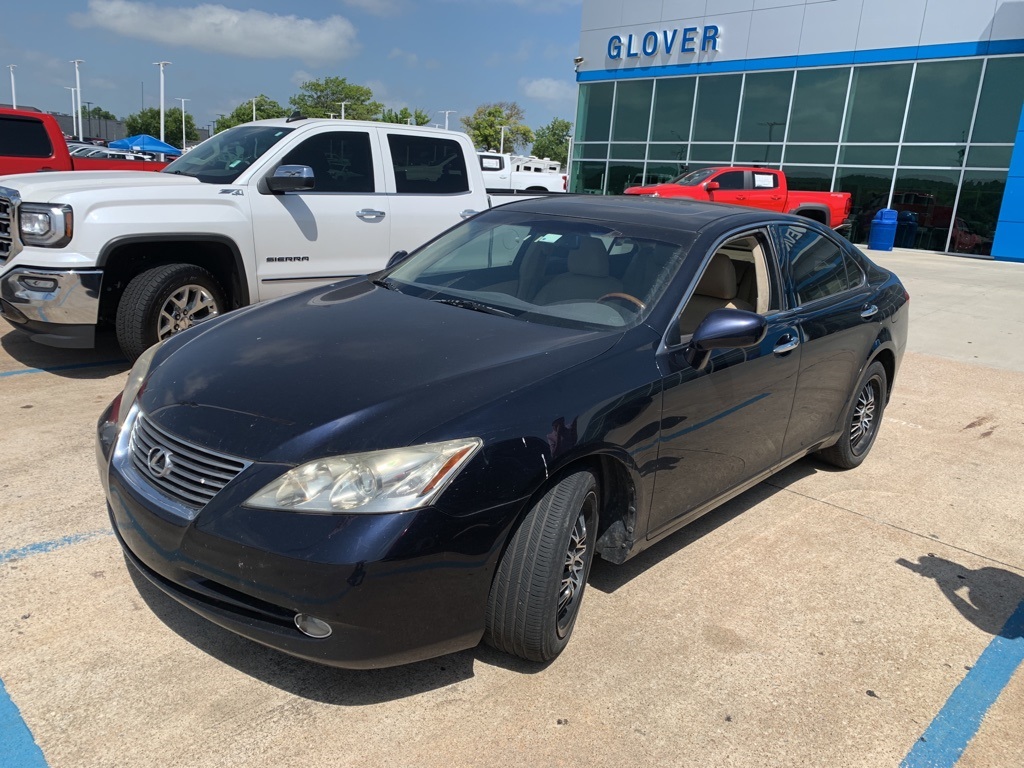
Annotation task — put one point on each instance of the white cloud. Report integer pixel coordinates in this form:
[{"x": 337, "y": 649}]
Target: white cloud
[
  {"x": 376, "y": 7},
  {"x": 301, "y": 76},
  {"x": 410, "y": 58},
  {"x": 218, "y": 29},
  {"x": 549, "y": 90}
]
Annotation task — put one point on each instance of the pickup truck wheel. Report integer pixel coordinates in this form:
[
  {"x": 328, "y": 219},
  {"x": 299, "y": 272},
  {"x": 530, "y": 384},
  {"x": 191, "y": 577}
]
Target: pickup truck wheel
[
  {"x": 539, "y": 584},
  {"x": 163, "y": 301}
]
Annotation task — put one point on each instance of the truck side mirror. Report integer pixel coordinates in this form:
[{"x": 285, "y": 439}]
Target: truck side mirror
[
  {"x": 397, "y": 258},
  {"x": 711, "y": 186},
  {"x": 291, "y": 178}
]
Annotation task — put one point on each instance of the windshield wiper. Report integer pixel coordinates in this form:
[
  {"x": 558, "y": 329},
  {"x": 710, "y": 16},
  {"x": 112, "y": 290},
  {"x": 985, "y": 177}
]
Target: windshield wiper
[
  {"x": 386, "y": 283},
  {"x": 476, "y": 306}
]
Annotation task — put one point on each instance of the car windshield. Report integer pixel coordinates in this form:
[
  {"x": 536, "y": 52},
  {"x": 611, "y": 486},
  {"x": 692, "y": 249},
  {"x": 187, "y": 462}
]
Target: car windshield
[
  {"x": 569, "y": 272},
  {"x": 222, "y": 158},
  {"x": 693, "y": 178}
]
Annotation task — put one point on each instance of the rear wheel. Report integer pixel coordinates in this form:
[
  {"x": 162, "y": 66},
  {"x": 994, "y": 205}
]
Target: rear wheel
[
  {"x": 539, "y": 585},
  {"x": 863, "y": 417},
  {"x": 163, "y": 301}
]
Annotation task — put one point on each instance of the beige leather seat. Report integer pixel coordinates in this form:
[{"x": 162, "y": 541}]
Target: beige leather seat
[
  {"x": 587, "y": 279},
  {"x": 716, "y": 290}
]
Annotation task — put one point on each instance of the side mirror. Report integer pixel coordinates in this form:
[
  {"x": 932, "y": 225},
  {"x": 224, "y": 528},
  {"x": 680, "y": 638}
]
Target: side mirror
[
  {"x": 397, "y": 258},
  {"x": 711, "y": 186},
  {"x": 291, "y": 178},
  {"x": 724, "y": 329}
]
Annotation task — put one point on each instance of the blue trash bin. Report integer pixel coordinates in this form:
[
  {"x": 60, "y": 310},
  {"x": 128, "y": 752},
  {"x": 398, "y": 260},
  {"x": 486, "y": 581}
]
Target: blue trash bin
[
  {"x": 883, "y": 230},
  {"x": 906, "y": 230}
]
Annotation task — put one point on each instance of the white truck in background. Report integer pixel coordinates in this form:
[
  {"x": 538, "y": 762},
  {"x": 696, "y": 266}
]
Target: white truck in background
[
  {"x": 504, "y": 172},
  {"x": 259, "y": 211}
]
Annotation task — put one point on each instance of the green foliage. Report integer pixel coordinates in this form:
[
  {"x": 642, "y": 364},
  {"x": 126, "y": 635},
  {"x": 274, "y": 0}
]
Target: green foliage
[
  {"x": 266, "y": 108},
  {"x": 148, "y": 121},
  {"x": 553, "y": 140},
  {"x": 484, "y": 126},
  {"x": 322, "y": 98},
  {"x": 418, "y": 116},
  {"x": 98, "y": 113}
]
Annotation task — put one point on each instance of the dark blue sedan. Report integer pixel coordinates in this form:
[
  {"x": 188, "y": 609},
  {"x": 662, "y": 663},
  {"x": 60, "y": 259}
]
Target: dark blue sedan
[{"x": 395, "y": 467}]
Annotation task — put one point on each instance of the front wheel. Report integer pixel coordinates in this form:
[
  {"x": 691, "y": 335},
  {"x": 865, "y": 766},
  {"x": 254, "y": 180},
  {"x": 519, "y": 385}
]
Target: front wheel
[
  {"x": 538, "y": 588},
  {"x": 863, "y": 417},
  {"x": 163, "y": 301}
]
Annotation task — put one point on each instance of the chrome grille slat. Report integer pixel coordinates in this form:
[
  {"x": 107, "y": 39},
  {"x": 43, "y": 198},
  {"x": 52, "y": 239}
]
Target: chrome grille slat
[
  {"x": 196, "y": 474},
  {"x": 6, "y": 233}
]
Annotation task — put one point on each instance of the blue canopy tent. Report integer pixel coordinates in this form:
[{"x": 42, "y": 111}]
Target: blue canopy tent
[{"x": 144, "y": 143}]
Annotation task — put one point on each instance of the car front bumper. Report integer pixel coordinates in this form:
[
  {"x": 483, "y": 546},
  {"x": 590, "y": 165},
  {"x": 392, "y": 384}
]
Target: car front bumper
[
  {"x": 394, "y": 588},
  {"x": 59, "y": 308}
]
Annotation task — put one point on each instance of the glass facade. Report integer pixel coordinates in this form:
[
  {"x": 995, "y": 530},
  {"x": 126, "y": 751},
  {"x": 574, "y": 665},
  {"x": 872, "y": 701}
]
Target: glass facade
[{"x": 932, "y": 139}]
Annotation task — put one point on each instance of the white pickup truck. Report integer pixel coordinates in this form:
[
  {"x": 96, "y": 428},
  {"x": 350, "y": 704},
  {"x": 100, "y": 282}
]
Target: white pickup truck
[
  {"x": 258, "y": 211},
  {"x": 504, "y": 172}
]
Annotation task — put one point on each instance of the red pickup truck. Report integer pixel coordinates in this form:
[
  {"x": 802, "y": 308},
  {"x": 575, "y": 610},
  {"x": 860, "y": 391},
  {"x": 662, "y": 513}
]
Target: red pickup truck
[
  {"x": 754, "y": 187},
  {"x": 32, "y": 141}
]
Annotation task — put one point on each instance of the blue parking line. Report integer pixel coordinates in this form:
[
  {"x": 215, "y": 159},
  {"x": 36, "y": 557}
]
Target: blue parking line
[
  {"x": 17, "y": 747},
  {"x": 958, "y": 721},
  {"x": 42, "y": 547},
  {"x": 70, "y": 367}
]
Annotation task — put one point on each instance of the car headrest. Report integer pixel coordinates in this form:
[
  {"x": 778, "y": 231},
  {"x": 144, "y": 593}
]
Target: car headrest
[
  {"x": 719, "y": 279},
  {"x": 590, "y": 258}
]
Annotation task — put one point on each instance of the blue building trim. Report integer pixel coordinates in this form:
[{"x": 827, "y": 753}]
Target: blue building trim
[
  {"x": 840, "y": 58},
  {"x": 1008, "y": 244}
]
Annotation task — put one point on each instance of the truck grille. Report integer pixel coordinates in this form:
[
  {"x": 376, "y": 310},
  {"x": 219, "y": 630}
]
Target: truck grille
[
  {"x": 181, "y": 470},
  {"x": 6, "y": 229}
]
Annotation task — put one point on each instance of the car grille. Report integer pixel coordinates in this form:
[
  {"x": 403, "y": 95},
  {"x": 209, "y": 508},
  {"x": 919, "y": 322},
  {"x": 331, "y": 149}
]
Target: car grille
[
  {"x": 181, "y": 470},
  {"x": 6, "y": 229}
]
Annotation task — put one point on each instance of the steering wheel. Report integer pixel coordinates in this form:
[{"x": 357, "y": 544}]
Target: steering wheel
[{"x": 625, "y": 297}]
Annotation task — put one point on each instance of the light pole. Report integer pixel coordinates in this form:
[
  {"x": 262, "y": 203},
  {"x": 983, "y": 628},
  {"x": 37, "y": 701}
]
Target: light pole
[
  {"x": 161, "y": 64},
  {"x": 78, "y": 90},
  {"x": 183, "y": 121},
  {"x": 503, "y": 129},
  {"x": 74, "y": 125},
  {"x": 254, "y": 108},
  {"x": 14, "y": 93},
  {"x": 446, "y": 112},
  {"x": 342, "y": 105}
]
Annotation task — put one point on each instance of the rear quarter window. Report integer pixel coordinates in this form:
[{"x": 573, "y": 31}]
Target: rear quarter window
[{"x": 24, "y": 137}]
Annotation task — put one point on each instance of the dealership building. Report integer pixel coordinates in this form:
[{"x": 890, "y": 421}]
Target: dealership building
[{"x": 908, "y": 104}]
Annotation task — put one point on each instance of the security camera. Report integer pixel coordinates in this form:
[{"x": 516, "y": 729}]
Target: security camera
[{"x": 578, "y": 60}]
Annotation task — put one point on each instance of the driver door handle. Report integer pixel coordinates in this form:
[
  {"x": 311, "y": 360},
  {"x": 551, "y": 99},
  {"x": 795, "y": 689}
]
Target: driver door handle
[
  {"x": 467, "y": 213},
  {"x": 370, "y": 214},
  {"x": 786, "y": 344},
  {"x": 868, "y": 312}
]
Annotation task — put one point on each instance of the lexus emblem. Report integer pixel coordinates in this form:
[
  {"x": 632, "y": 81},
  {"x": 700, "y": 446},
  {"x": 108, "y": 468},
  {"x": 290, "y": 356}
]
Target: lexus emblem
[{"x": 159, "y": 462}]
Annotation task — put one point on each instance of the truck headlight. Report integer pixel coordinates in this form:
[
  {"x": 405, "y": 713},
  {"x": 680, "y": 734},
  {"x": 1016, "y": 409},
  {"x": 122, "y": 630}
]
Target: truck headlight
[
  {"x": 392, "y": 480},
  {"x": 50, "y": 226}
]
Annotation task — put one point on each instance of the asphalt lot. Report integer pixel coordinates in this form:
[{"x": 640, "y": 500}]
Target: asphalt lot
[{"x": 823, "y": 618}]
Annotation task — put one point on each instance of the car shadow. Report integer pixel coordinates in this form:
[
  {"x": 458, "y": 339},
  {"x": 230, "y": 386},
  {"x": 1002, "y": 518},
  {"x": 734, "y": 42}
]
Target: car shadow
[
  {"x": 986, "y": 597},
  {"x": 96, "y": 363},
  {"x": 607, "y": 577},
  {"x": 307, "y": 679}
]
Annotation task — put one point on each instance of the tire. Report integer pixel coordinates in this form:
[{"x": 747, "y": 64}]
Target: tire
[
  {"x": 163, "y": 301},
  {"x": 862, "y": 419},
  {"x": 538, "y": 588}
]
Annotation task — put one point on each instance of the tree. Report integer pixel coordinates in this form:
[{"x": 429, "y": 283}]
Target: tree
[
  {"x": 418, "y": 116},
  {"x": 266, "y": 108},
  {"x": 484, "y": 126},
  {"x": 553, "y": 140},
  {"x": 148, "y": 121},
  {"x": 98, "y": 113},
  {"x": 322, "y": 98}
]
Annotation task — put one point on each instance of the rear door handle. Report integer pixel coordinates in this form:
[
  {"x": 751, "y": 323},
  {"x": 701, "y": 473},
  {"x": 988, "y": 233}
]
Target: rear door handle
[
  {"x": 370, "y": 214},
  {"x": 786, "y": 344},
  {"x": 868, "y": 312}
]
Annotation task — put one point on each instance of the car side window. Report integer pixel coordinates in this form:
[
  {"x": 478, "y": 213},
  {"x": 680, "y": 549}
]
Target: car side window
[
  {"x": 730, "y": 180},
  {"x": 818, "y": 266},
  {"x": 24, "y": 137},
  {"x": 341, "y": 161},
  {"x": 739, "y": 275},
  {"x": 428, "y": 165},
  {"x": 765, "y": 180}
]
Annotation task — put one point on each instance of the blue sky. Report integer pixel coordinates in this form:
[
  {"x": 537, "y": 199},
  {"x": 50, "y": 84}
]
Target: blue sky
[{"x": 427, "y": 54}]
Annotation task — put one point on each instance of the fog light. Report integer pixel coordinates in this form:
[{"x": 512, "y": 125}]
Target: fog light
[
  {"x": 312, "y": 626},
  {"x": 44, "y": 284}
]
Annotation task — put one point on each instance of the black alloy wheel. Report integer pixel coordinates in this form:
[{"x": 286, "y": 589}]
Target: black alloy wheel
[{"x": 863, "y": 417}]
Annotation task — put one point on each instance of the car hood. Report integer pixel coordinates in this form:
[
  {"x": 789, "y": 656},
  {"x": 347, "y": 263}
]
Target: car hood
[
  {"x": 52, "y": 187},
  {"x": 350, "y": 368},
  {"x": 672, "y": 189}
]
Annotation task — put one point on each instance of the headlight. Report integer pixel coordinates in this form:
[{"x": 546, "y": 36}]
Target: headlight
[
  {"x": 131, "y": 388},
  {"x": 50, "y": 226},
  {"x": 379, "y": 481}
]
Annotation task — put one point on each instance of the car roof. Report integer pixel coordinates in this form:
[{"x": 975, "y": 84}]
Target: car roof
[{"x": 668, "y": 213}]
